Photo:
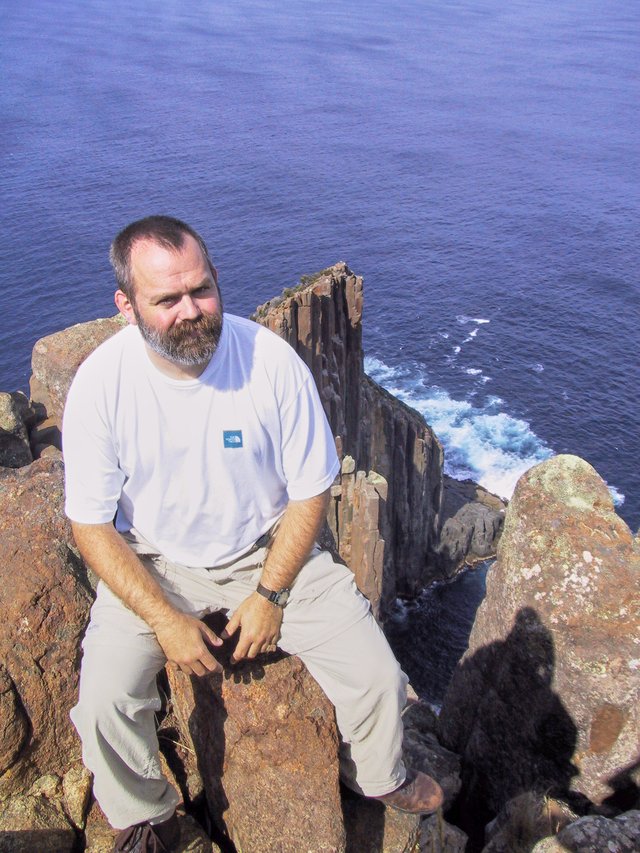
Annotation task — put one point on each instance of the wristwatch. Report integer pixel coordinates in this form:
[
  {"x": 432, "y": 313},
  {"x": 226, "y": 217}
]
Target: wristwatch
[{"x": 278, "y": 597}]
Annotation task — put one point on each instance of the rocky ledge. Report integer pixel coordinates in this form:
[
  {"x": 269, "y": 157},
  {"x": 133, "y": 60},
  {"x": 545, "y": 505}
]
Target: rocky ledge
[{"x": 537, "y": 744}]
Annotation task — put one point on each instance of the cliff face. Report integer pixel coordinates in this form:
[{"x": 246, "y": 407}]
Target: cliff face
[{"x": 322, "y": 320}]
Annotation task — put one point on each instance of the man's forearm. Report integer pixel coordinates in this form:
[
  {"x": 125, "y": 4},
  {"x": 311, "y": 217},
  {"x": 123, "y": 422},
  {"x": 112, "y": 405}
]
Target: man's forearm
[
  {"x": 102, "y": 548},
  {"x": 296, "y": 535}
]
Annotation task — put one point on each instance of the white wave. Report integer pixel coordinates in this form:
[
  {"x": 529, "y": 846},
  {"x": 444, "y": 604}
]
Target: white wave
[
  {"x": 484, "y": 379},
  {"x": 618, "y": 497},
  {"x": 473, "y": 371},
  {"x": 463, "y": 320},
  {"x": 456, "y": 350},
  {"x": 481, "y": 441}
]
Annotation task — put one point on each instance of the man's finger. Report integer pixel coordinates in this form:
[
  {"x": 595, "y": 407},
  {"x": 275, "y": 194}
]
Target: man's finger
[
  {"x": 212, "y": 638},
  {"x": 241, "y": 650},
  {"x": 231, "y": 627},
  {"x": 211, "y": 664}
]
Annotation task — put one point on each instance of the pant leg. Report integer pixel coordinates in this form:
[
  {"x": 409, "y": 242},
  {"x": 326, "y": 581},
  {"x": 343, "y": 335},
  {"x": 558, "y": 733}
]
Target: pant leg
[
  {"x": 342, "y": 646},
  {"x": 115, "y": 714}
]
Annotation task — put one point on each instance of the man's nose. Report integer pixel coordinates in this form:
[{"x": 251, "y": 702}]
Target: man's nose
[{"x": 189, "y": 309}]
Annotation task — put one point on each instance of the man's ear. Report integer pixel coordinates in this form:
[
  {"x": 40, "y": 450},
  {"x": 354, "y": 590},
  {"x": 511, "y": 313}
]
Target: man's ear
[{"x": 124, "y": 306}]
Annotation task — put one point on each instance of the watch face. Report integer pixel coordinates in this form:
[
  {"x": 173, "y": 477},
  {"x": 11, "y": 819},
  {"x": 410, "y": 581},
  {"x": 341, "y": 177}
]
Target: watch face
[{"x": 283, "y": 597}]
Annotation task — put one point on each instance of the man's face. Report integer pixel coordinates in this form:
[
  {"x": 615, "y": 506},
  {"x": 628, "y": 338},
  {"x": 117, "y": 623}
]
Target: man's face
[{"x": 177, "y": 305}]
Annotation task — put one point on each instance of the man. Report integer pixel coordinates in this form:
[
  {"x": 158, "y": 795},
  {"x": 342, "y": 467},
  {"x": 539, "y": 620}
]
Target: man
[{"x": 204, "y": 436}]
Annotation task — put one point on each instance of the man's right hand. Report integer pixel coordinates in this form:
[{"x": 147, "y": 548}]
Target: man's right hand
[{"x": 184, "y": 641}]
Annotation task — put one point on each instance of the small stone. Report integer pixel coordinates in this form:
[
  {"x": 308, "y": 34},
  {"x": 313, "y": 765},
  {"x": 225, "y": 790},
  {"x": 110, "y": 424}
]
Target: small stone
[{"x": 76, "y": 785}]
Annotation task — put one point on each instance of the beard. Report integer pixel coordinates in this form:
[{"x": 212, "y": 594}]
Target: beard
[{"x": 190, "y": 343}]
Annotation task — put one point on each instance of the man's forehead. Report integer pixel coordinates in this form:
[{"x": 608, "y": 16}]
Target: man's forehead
[{"x": 149, "y": 255}]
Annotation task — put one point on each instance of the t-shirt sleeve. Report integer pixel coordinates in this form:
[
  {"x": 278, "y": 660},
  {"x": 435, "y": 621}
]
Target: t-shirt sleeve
[
  {"x": 309, "y": 458},
  {"x": 93, "y": 479}
]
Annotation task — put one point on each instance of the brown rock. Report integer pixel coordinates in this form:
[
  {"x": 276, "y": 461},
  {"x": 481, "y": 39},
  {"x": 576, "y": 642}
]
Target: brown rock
[
  {"x": 322, "y": 320},
  {"x": 266, "y": 743},
  {"x": 14, "y": 441},
  {"x": 56, "y": 358},
  {"x": 14, "y": 725},
  {"x": 547, "y": 695},
  {"x": 45, "y": 604},
  {"x": 34, "y": 823}
]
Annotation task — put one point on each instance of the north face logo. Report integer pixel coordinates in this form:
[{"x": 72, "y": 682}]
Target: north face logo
[{"x": 232, "y": 437}]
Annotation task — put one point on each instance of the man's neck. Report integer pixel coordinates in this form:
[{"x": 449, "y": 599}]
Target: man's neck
[{"x": 173, "y": 370}]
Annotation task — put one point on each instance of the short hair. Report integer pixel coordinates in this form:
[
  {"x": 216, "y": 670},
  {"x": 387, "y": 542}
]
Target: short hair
[{"x": 166, "y": 231}]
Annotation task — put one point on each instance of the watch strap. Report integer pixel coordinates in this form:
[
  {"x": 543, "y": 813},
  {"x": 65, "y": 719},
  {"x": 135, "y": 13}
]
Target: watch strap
[{"x": 278, "y": 597}]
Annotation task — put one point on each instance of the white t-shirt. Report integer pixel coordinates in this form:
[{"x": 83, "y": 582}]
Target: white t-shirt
[{"x": 200, "y": 468}]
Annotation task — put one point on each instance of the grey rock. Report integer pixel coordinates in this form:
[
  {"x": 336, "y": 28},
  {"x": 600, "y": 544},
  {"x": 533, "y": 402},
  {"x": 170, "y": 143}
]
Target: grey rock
[
  {"x": 14, "y": 440},
  {"x": 597, "y": 834}
]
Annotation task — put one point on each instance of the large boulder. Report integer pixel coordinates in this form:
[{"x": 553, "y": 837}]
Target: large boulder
[
  {"x": 44, "y": 600},
  {"x": 57, "y": 357},
  {"x": 546, "y": 696},
  {"x": 266, "y": 744}
]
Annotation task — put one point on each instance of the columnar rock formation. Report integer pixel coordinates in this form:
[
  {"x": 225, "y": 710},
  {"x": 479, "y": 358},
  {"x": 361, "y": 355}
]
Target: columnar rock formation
[
  {"x": 322, "y": 320},
  {"x": 547, "y": 697}
]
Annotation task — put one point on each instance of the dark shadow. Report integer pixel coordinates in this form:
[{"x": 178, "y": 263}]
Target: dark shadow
[
  {"x": 364, "y": 822},
  {"x": 626, "y": 792},
  {"x": 511, "y": 729}
]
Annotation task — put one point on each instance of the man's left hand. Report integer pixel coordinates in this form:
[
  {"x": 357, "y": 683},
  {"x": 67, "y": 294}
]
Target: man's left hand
[{"x": 259, "y": 622}]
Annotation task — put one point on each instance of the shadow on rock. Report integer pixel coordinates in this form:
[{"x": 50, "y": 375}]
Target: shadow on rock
[{"x": 510, "y": 727}]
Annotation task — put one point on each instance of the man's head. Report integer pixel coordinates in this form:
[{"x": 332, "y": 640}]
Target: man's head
[{"x": 168, "y": 287}]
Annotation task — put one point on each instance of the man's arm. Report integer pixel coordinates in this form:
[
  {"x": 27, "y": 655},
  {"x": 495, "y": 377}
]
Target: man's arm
[
  {"x": 259, "y": 620},
  {"x": 183, "y": 638}
]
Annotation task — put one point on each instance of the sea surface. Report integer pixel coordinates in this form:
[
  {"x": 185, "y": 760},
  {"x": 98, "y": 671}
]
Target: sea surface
[{"x": 475, "y": 161}]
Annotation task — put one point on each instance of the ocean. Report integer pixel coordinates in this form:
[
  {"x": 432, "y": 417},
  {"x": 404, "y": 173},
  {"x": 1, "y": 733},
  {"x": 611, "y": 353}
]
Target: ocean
[{"x": 475, "y": 161}]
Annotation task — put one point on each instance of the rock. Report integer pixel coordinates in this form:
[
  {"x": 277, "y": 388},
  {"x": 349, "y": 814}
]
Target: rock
[
  {"x": 438, "y": 836},
  {"x": 597, "y": 834},
  {"x": 549, "y": 845},
  {"x": 44, "y": 600},
  {"x": 322, "y": 320},
  {"x": 14, "y": 441},
  {"x": 471, "y": 523},
  {"x": 14, "y": 725},
  {"x": 422, "y": 751},
  {"x": 56, "y": 358},
  {"x": 524, "y": 820},
  {"x": 372, "y": 828},
  {"x": 46, "y": 435},
  {"x": 34, "y": 823},
  {"x": 76, "y": 785},
  {"x": 547, "y": 695},
  {"x": 267, "y": 745}
]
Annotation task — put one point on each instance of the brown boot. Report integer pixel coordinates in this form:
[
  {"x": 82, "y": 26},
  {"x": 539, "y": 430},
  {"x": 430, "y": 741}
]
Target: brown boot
[
  {"x": 418, "y": 794},
  {"x": 145, "y": 838}
]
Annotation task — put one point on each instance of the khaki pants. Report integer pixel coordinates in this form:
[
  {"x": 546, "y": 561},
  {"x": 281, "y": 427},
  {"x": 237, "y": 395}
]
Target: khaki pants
[{"x": 327, "y": 623}]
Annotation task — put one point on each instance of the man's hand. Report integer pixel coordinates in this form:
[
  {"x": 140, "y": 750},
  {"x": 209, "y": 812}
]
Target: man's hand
[
  {"x": 184, "y": 641},
  {"x": 259, "y": 622}
]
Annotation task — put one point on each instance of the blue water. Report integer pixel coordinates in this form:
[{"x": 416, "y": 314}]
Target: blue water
[{"x": 476, "y": 162}]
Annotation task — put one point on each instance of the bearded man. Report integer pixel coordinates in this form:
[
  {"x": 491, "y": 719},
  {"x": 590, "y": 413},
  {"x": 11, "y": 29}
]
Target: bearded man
[{"x": 198, "y": 466}]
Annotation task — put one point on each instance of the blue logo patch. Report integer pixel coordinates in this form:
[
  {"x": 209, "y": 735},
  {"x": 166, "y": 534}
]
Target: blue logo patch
[{"x": 232, "y": 437}]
